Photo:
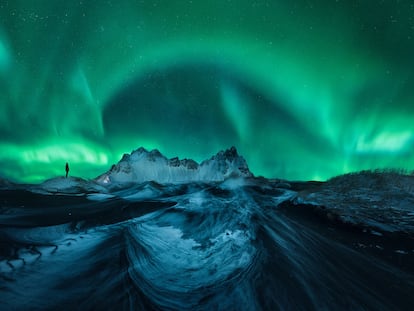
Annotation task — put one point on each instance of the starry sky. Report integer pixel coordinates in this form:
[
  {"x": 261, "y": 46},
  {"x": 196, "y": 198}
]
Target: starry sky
[{"x": 304, "y": 89}]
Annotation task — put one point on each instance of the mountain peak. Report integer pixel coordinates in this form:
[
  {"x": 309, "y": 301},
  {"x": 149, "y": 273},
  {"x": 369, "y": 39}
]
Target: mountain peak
[
  {"x": 143, "y": 165},
  {"x": 230, "y": 153}
]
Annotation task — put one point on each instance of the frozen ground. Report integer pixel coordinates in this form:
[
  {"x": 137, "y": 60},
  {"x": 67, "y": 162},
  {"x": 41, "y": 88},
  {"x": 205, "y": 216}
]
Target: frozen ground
[{"x": 231, "y": 243}]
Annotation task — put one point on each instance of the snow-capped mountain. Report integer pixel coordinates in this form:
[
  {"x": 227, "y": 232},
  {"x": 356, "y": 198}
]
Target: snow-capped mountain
[{"x": 143, "y": 165}]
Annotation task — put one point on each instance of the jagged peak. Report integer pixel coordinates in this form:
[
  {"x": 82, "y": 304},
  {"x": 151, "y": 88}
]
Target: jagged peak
[
  {"x": 143, "y": 165},
  {"x": 141, "y": 150},
  {"x": 230, "y": 153}
]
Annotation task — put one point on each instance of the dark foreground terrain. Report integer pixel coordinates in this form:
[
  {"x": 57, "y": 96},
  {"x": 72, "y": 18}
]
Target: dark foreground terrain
[{"x": 237, "y": 245}]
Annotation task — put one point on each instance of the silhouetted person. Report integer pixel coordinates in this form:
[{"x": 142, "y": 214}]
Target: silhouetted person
[{"x": 67, "y": 169}]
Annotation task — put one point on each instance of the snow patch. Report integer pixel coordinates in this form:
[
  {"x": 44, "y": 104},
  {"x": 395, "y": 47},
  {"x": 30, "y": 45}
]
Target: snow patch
[{"x": 99, "y": 196}]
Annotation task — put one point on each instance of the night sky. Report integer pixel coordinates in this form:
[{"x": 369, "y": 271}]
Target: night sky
[{"x": 304, "y": 89}]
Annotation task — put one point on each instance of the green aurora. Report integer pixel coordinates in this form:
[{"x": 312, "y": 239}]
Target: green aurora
[{"x": 304, "y": 89}]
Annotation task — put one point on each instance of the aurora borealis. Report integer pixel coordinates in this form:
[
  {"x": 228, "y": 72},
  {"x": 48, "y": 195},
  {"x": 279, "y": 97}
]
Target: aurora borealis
[{"x": 304, "y": 89}]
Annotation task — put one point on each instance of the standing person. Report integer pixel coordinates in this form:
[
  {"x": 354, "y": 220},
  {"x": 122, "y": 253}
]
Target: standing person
[{"x": 67, "y": 169}]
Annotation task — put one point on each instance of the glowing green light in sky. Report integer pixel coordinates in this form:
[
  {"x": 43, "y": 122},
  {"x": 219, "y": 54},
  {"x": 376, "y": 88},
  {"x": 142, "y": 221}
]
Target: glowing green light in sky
[
  {"x": 4, "y": 57},
  {"x": 304, "y": 89}
]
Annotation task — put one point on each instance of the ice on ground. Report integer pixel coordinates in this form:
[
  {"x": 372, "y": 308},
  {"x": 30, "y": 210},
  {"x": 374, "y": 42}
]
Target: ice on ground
[
  {"x": 69, "y": 185},
  {"x": 99, "y": 196}
]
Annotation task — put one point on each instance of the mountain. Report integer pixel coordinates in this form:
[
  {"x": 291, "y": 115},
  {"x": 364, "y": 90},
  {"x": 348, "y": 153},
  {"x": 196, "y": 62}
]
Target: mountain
[{"x": 143, "y": 165}]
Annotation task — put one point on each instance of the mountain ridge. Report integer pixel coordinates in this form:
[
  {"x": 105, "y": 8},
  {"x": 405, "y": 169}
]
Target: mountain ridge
[{"x": 142, "y": 165}]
